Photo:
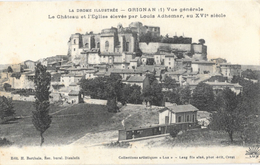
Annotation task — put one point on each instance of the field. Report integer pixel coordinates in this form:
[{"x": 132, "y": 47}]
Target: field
[
  {"x": 87, "y": 125},
  {"x": 68, "y": 124},
  {"x": 72, "y": 123}
]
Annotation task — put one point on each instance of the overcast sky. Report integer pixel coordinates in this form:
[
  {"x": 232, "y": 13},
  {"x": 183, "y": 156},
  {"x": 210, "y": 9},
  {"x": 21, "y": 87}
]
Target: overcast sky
[{"x": 27, "y": 33}]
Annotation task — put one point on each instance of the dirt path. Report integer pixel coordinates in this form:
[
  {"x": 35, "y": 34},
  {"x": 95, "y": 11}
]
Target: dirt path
[{"x": 123, "y": 121}]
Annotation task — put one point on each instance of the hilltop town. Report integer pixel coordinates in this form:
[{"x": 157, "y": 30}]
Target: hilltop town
[
  {"x": 132, "y": 52},
  {"x": 153, "y": 70}
]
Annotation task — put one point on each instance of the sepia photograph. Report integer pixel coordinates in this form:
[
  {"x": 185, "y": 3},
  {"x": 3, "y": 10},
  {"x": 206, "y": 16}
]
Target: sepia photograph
[{"x": 130, "y": 82}]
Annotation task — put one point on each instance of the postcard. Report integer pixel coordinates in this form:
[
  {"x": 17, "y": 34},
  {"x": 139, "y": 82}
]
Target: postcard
[{"x": 130, "y": 82}]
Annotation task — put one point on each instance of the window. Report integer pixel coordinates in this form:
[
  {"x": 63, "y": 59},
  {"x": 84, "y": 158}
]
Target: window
[
  {"x": 98, "y": 45},
  {"x": 188, "y": 118},
  {"x": 169, "y": 63},
  {"x": 86, "y": 45},
  {"x": 74, "y": 49},
  {"x": 127, "y": 47},
  {"x": 179, "y": 119},
  {"x": 106, "y": 45},
  {"x": 193, "y": 118},
  {"x": 74, "y": 41}
]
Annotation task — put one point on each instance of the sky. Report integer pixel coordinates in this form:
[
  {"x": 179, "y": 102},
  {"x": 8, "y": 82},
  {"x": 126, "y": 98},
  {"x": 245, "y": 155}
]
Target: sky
[{"x": 27, "y": 32}]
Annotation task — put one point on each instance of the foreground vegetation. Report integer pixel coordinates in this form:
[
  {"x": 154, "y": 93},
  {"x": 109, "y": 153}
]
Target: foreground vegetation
[
  {"x": 68, "y": 123},
  {"x": 196, "y": 138}
]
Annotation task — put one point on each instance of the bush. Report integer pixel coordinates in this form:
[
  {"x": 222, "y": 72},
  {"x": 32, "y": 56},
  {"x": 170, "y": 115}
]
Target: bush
[
  {"x": 118, "y": 144},
  {"x": 174, "y": 131},
  {"x": 7, "y": 87},
  {"x": 23, "y": 92},
  {"x": 5, "y": 142}
]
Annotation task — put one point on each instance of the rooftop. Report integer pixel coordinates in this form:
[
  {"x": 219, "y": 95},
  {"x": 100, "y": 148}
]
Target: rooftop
[
  {"x": 203, "y": 62},
  {"x": 177, "y": 72},
  {"x": 111, "y": 54},
  {"x": 124, "y": 71},
  {"x": 180, "y": 108},
  {"x": 136, "y": 79},
  {"x": 73, "y": 93}
]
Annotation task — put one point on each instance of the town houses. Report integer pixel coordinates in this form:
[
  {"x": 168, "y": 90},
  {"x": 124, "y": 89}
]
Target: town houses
[{"x": 132, "y": 52}]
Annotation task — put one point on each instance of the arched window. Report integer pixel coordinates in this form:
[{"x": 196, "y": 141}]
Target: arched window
[{"x": 106, "y": 45}]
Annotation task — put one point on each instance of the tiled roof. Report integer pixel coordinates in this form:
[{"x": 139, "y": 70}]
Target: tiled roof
[
  {"x": 225, "y": 84},
  {"x": 68, "y": 75},
  {"x": 73, "y": 69},
  {"x": 136, "y": 79},
  {"x": 111, "y": 54},
  {"x": 100, "y": 73},
  {"x": 90, "y": 71},
  {"x": 176, "y": 72},
  {"x": 180, "y": 108},
  {"x": 203, "y": 62},
  {"x": 73, "y": 93},
  {"x": 124, "y": 71},
  {"x": 145, "y": 68},
  {"x": 184, "y": 60}
]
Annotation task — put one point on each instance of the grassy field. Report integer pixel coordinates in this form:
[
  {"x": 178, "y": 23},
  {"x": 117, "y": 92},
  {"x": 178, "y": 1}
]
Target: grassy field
[
  {"x": 87, "y": 124},
  {"x": 68, "y": 124},
  {"x": 141, "y": 116},
  {"x": 194, "y": 138}
]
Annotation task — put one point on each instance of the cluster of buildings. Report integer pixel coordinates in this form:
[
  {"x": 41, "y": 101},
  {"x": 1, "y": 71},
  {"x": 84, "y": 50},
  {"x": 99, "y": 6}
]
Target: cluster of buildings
[{"x": 123, "y": 50}]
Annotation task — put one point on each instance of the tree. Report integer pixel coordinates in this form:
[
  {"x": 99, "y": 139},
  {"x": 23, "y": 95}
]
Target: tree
[
  {"x": 9, "y": 69},
  {"x": 95, "y": 88},
  {"x": 153, "y": 94},
  {"x": 151, "y": 78},
  {"x": 173, "y": 96},
  {"x": 131, "y": 94},
  {"x": 203, "y": 97},
  {"x": 157, "y": 95},
  {"x": 185, "y": 95},
  {"x": 202, "y": 41},
  {"x": 6, "y": 107},
  {"x": 7, "y": 86},
  {"x": 169, "y": 83},
  {"x": 249, "y": 74},
  {"x": 41, "y": 118},
  {"x": 112, "y": 105},
  {"x": 227, "y": 117},
  {"x": 113, "y": 91},
  {"x": 147, "y": 94},
  {"x": 136, "y": 95}
]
